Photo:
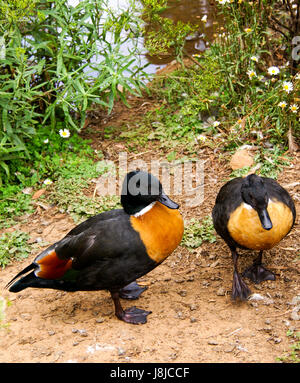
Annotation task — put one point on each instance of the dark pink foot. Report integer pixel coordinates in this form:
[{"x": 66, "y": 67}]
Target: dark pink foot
[
  {"x": 239, "y": 288},
  {"x": 131, "y": 291},
  {"x": 134, "y": 315},
  {"x": 257, "y": 274}
]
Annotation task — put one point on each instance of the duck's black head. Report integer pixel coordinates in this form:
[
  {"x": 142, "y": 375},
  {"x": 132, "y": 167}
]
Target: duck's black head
[
  {"x": 254, "y": 193},
  {"x": 141, "y": 189}
]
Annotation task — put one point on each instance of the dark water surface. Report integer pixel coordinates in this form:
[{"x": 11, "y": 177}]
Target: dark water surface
[{"x": 191, "y": 11}]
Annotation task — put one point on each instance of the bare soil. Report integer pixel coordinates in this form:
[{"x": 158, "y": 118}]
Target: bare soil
[{"x": 193, "y": 316}]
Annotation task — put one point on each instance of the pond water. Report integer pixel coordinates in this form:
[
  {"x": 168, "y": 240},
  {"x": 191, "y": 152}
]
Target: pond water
[{"x": 185, "y": 10}]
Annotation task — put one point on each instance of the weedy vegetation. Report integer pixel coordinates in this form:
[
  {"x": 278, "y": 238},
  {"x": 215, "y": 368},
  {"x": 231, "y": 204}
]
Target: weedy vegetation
[{"x": 196, "y": 232}]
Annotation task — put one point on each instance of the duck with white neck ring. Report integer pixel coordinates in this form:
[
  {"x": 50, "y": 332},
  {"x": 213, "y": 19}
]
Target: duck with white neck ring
[
  {"x": 111, "y": 250},
  {"x": 253, "y": 213}
]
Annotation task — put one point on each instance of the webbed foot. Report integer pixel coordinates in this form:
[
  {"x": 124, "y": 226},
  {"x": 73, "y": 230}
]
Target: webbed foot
[
  {"x": 239, "y": 288},
  {"x": 131, "y": 291},
  {"x": 257, "y": 273},
  {"x": 134, "y": 315}
]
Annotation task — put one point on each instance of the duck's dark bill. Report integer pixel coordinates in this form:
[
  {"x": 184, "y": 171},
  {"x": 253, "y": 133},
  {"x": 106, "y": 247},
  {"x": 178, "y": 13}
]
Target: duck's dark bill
[
  {"x": 165, "y": 200},
  {"x": 265, "y": 219}
]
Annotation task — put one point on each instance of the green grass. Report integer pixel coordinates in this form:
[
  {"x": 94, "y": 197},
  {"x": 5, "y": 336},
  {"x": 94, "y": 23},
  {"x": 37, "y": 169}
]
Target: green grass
[
  {"x": 13, "y": 246},
  {"x": 69, "y": 195},
  {"x": 293, "y": 356},
  {"x": 196, "y": 232},
  {"x": 57, "y": 159},
  {"x": 187, "y": 98}
]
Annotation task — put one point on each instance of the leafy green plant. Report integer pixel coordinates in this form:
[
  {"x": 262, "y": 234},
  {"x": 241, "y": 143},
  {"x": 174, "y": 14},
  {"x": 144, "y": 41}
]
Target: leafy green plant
[
  {"x": 68, "y": 194},
  {"x": 196, "y": 232},
  {"x": 69, "y": 191},
  {"x": 163, "y": 36},
  {"x": 264, "y": 96},
  {"x": 58, "y": 61},
  {"x": 3, "y": 304},
  {"x": 189, "y": 98},
  {"x": 294, "y": 355},
  {"x": 13, "y": 246}
]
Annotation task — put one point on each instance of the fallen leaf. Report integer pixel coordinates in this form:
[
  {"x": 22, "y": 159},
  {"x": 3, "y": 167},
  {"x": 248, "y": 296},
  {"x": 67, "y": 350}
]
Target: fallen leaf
[{"x": 38, "y": 193}]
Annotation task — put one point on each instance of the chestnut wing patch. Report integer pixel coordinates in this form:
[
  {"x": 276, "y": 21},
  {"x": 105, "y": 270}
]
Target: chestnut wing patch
[{"x": 52, "y": 267}]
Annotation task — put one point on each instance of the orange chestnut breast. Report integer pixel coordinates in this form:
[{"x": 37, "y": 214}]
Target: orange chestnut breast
[
  {"x": 160, "y": 229},
  {"x": 245, "y": 227}
]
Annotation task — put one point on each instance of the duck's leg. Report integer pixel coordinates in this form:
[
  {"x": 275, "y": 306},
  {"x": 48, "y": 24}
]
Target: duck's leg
[
  {"x": 131, "y": 291},
  {"x": 257, "y": 273},
  {"x": 239, "y": 287},
  {"x": 131, "y": 315}
]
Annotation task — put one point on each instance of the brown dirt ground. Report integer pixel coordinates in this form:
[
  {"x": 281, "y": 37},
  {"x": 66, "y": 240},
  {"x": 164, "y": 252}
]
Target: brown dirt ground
[{"x": 190, "y": 320}]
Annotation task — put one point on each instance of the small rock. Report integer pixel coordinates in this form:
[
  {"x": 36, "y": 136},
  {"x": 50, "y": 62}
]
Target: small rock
[
  {"x": 267, "y": 321},
  {"x": 294, "y": 313},
  {"x": 229, "y": 349},
  {"x": 83, "y": 333},
  {"x": 26, "y": 316},
  {"x": 221, "y": 291},
  {"x": 277, "y": 340},
  {"x": 190, "y": 278},
  {"x": 193, "y": 307},
  {"x": 100, "y": 320},
  {"x": 212, "y": 343},
  {"x": 121, "y": 351},
  {"x": 241, "y": 159},
  {"x": 179, "y": 315},
  {"x": 182, "y": 293},
  {"x": 295, "y": 300},
  {"x": 51, "y": 332},
  {"x": 256, "y": 297},
  {"x": 193, "y": 320}
]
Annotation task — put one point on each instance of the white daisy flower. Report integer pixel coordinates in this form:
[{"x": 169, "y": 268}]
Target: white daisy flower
[
  {"x": 297, "y": 77},
  {"x": 240, "y": 121},
  {"x": 254, "y": 58},
  {"x": 287, "y": 86},
  {"x": 201, "y": 138},
  {"x": 46, "y": 141},
  {"x": 282, "y": 104},
  {"x": 216, "y": 123},
  {"x": 251, "y": 73},
  {"x": 48, "y": 181},
  {"x": 248, "y": 30},
  {"x": 273, "y": 70},
  {"x": 294, "y": 108},
  {"x": 204, "y": 18},
  {"x": 65, "y": 133}
]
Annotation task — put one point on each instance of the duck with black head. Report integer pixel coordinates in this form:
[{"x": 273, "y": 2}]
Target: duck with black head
[
  {"x": 253, "y": 213},
  {"x": 111, "y": 250}
]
